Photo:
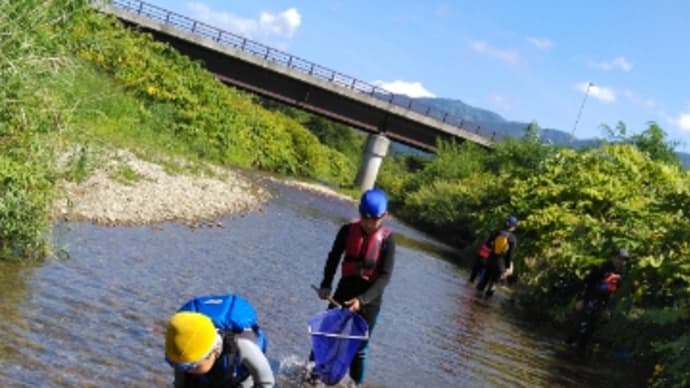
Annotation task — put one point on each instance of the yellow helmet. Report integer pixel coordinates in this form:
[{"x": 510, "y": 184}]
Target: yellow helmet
[{"x": 189, "y": 338}]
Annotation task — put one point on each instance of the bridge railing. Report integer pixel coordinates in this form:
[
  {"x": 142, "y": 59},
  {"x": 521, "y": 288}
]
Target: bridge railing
[{"x": 185, "y": 23}]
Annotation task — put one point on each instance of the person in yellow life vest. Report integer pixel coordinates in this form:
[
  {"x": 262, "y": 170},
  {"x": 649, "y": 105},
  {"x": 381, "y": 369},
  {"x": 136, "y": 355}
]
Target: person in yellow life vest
[
  {"x": 593, "y": 301},
  {"x": 367, "y": 249},
  {"x": 498, "y": 264}
]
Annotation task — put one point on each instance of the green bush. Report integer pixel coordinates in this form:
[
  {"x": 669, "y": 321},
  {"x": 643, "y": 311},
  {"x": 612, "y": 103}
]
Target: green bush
[
  {"x": 30, "y": 113},
  {"x": 575, "y": 208},
  {"x": 25, "y": 202}
]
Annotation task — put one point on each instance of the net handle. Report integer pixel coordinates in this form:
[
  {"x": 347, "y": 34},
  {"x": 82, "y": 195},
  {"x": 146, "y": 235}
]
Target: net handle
[{"x": 330, "y": 298}]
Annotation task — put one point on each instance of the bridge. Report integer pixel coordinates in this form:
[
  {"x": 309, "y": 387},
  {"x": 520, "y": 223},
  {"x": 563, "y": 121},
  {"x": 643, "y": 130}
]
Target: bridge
[{"x": 275, "y": 74}]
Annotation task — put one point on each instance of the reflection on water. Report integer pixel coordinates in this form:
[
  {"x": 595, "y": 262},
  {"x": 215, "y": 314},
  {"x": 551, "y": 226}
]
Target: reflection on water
[{"x": 97, "y": 318}]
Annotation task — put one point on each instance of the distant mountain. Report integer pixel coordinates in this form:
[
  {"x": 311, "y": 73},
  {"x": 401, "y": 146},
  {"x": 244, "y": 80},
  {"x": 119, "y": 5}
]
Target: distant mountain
[
  {"x": 458, "y": 108},
  {"x": 495, "y": 122},
  {"x": 685, "y": 158}
]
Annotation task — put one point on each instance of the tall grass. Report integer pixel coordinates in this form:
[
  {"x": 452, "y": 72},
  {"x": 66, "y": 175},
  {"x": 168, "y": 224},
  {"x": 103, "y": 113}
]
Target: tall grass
[{"x": 30, "y": 112}]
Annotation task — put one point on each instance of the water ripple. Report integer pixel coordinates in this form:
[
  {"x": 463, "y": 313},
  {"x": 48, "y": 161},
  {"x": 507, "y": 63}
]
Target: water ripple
[{"x": 96, "y": 319}]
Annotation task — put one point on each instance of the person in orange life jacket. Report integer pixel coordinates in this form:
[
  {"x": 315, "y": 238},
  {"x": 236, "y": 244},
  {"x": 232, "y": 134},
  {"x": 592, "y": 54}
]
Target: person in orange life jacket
[
  {"x": 593, "y": 301},
  {"x": 499, "y": 264},
  {"x": 369, "y": 256}
]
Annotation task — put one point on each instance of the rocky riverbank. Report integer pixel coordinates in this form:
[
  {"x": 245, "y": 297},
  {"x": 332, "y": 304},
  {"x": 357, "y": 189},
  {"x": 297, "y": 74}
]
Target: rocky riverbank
[{"x": 156, "y": 195}]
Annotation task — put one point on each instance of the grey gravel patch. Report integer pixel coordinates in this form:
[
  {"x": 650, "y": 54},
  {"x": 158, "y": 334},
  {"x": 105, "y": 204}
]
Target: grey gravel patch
[{"x": 157, "y": 197}]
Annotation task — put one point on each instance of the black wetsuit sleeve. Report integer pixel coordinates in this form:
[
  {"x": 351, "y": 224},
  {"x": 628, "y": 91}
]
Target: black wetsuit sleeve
[
  {"x": 334, "y": 256},
  {"x": 385, "y": 270},
  {"x": 590, "y": 283}
]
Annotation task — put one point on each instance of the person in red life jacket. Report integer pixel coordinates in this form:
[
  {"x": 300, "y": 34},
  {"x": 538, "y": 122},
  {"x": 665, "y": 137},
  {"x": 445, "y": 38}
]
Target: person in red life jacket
[
  {"x": 593, "y": 301},
  {"x": 498, "y": 265},
  {"x": 368, "y": 248}
]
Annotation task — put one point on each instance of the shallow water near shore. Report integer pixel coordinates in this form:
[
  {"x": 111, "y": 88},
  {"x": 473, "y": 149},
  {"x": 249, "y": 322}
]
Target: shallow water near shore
[{"x": 96, "y": 317}]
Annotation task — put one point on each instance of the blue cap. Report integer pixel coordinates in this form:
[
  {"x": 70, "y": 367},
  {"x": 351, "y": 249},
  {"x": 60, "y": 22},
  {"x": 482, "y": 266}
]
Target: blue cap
[
  {"x": 511, "y": 221},
  {"x": 373, "y": 203}
]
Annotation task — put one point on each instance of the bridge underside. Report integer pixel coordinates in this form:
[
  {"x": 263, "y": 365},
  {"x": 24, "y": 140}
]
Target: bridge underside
[{"x": 298, "y": 93}]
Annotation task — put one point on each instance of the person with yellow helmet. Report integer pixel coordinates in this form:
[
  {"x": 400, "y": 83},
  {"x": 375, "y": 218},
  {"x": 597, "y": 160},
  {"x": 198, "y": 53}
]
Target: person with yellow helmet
[
  {"x": 498, "y": 263},
  {"x": 215, "y": 341}
]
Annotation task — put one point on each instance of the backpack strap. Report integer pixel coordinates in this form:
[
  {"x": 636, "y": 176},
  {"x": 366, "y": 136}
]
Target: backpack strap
[{"x": 223, "y": 373}]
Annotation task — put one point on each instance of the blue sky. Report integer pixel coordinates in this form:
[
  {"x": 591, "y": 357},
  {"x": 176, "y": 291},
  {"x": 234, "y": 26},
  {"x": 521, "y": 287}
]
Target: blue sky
[{"x": 527, "y": 60}]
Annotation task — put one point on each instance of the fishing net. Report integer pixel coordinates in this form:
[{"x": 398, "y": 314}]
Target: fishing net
[{"x": 336, "y": 335}]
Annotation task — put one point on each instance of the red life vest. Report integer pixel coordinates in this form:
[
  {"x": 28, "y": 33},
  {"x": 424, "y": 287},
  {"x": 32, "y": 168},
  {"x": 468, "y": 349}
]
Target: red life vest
[
  {"x": 484, "y": 251},
  {"x": 610, "y": 283},
  {"x": 362, "y": 260}
]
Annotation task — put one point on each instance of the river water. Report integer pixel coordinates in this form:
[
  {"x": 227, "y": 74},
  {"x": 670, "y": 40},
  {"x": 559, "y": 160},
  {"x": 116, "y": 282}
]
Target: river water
[{"x": 95, "y": 316}]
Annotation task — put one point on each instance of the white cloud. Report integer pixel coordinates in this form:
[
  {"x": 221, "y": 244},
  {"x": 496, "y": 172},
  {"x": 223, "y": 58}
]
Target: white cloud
[
  {"x": 600, "y": 93},
  {"x": 541, "y": 43},
  {"x": 683, "y": 120},
  {"x": 618, "y": 63},
  {"x": 267, "y": 27},
  {"x": 482, "y": 47},
  {"x": 411, "y": 89},
  {"x": 282, "y": 24}
]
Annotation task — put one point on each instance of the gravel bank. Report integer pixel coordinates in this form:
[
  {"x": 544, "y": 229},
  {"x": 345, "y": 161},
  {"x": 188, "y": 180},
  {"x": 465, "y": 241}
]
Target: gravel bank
[{"x": 156, "y": 196}]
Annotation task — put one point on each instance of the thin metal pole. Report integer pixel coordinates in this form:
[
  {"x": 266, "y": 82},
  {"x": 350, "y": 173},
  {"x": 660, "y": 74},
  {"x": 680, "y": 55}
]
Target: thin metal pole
[{"x": 582, "y": 106}]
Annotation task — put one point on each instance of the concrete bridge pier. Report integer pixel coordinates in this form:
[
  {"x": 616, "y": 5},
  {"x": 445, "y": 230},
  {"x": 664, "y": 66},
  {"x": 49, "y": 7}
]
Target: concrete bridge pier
[{"x": 376, "y": 149}]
